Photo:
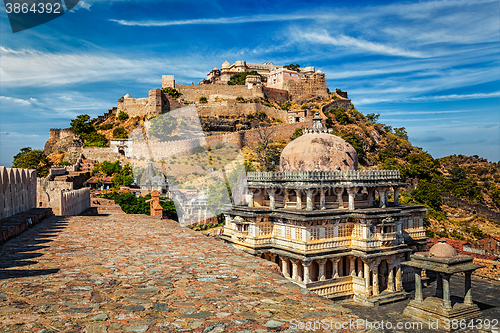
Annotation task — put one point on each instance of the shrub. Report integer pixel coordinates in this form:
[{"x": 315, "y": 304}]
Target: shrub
[
  {"x": 120, "y": 133},
  {"x": 122, "y": 116},
  {"x": 240, "y": 99},
  {"x": 172, "y": 92},
  {"x": 203, "y": 99}
]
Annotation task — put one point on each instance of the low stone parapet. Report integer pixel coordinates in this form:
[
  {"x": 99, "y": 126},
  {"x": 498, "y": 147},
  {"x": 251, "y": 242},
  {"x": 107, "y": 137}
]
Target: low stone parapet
[{"x": 16, "y": 224}]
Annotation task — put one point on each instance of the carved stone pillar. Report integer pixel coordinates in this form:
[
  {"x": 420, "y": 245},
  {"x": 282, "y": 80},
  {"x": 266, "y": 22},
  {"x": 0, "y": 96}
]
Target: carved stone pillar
[
  {"x": 272, "y": 257},
  {"x": 305, "y": 265},
  {"x": 340, "y": 201},
  {"x": 352, "y": 267},
  {"x": 439, "y": 285},
  {"x": 382, "y": 192},
  {"x": 399, "y": 279},
  {"x": 371, "y": 196},
  {"x": 468, "y": 289},
  {"x": 284, "y": 266},
  {"x": 351, "y": 191},
  {"x": 418, "y": 286},
  {"x": 272, "y": 198},
  {"x": 321, "y": 274},
  {"x": 446, "y": 291},
  {"x": 375, "y": 281},
  {"x": 396, "y": 196},
  {"x": 285, "y": 197},
  {"x": 309, "y": 203},
  {"x": 368, "y": 291},
  {"x": 322, "y": 199},
  {"x": 295, "y": 271},
  {"x": 250, "y": 197},
  {"x": 335, "y": 264},
  {"x": 299, "y": 199},
  {"x": 390, "y": 282}
]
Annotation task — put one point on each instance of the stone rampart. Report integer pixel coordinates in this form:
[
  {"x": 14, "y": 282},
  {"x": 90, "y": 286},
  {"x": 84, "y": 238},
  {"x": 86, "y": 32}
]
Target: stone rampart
[
  {"x": 48, "y": 194},
  {"x": 307, "y": 88},
  {"x": 337, "y": 104},
  {"x": 17, "y": 191},
  {"x": 57, "y": 171},
  {"x": 279, "y": 95},
  {"x": 75, "y": 202},
  {"x": 472, "y": 208},
  {"x": 155, "y": 104},
  {"x": 192, "y": 93},
  {"x": 233, "y": 109},
  {"x": 101, "y": 154}
]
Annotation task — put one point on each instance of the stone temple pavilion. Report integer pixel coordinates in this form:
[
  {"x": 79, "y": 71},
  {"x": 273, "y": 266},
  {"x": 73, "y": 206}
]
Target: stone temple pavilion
[
  {"x": 443, "y": 259},
  {"x": 328, "y": 225}
]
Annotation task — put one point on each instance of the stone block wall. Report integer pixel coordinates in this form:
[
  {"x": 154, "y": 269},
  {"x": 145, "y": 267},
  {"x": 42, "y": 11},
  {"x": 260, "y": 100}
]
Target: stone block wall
[
  {"x": 192, "y": 93},
  {"x": 279, "y": 95},
  {"x": 48, "y": 194},
  {"x": 307, "y": 88},
  {"x": 75, "y": 202},
  {"x": 156, "y": 103},
  {"x": 233, "y": 109},
  {"x": 337, "y": 104},
  {"x": 101, "y": 154},
  {"x": 17, "y": 191}
]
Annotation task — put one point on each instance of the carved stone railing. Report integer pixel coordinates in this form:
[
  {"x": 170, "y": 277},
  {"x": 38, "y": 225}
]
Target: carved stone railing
[
  {"x": 338, "y": 286},
  {"x": 337, "y": 176},
  {"x": 416, "y": 233}
]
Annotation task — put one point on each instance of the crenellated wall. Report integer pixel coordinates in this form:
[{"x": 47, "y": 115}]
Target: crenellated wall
[
  {"x": 155, "y": 104},
  {"x": 75, "y": 202},
  {"x": 61, "y": 197},
  {"x": 17, "y": 191},
  {"x": 233, "y": 109},
  {"x": 193, "y": 93}
]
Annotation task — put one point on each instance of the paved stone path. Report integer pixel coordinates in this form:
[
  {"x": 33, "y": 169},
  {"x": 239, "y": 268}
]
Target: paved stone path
[{"x": 132, "y": 273}]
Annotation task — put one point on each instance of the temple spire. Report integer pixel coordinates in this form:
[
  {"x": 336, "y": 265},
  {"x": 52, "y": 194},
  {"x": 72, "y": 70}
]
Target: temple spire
[{"x": 317, "y": 126}]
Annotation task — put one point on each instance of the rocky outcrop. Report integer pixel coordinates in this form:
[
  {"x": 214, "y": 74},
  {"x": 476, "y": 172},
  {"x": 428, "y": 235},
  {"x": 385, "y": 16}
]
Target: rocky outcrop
[{"x": 61, "y": 141}]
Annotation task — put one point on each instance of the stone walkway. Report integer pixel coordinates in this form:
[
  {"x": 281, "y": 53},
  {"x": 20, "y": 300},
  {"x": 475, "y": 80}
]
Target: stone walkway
[{"x": 133, "y": 273}]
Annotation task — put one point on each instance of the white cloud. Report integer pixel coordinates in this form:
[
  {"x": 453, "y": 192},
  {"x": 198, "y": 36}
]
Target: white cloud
[
  {"x": 12, "y": 100},
  {"x": 82, "y": 5}
]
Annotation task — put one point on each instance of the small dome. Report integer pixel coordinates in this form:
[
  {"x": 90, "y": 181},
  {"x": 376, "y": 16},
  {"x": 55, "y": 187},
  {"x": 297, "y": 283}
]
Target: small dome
[
  {"x": 318, "y": 150},
  {"x": 442, "y": 250},
  {"x": 226, "y": 65},
  {"x": 215, "y": 69}
]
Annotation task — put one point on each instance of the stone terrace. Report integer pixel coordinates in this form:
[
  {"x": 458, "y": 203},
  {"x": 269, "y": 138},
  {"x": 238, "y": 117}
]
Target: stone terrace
[{"x": 127, "y": 273}]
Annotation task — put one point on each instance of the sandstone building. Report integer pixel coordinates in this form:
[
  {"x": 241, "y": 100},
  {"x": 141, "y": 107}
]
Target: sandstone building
[{"x": 321, "y": 221}]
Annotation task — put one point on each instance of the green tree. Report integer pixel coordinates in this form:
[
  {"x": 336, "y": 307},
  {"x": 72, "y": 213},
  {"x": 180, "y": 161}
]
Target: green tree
[
  {"x": 122, "y": 116},
  {"x": 293, "y": 67},
  {"x": 355, "y": 142},
  {"x": 203, "y": 99},
  {"x": 172, "y": 92},
  {"x": 82, "y": 125},
  {"x": 239, "y": 78},
  {"x": 120, "y": 133},
  {"x": 428, "y": 194},
  {"x": 124, "y": 177},
  {"x": 401, "y": 133},
  {"x": 32, "y": 159},
  {"x": 297, "y": 133},
  {"x": 163, "y": 126},
  {"x": 373, "y": 117}
]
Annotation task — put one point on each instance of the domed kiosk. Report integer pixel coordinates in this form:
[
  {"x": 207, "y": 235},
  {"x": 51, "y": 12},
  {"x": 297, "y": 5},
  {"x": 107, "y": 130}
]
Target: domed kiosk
[
  {"x": 318, "y": 150},
  {"x": 329, "y": 226},
  {"x": 444, "y": 260}
]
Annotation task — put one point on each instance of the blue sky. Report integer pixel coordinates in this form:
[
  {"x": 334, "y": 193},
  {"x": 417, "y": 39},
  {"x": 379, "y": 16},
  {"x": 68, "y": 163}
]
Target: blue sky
[{"x": 430, "y": 66}]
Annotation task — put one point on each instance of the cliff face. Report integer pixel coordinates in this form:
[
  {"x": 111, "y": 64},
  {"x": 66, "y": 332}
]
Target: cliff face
[{"x": 60, "y": 141}]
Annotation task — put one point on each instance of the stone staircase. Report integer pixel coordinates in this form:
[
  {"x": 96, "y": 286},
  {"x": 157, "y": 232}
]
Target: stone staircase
[{"x": 87, "y": 165}]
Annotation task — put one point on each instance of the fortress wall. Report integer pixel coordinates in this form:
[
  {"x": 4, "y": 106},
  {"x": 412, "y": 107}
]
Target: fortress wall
[
  {"x": 156, "y": 103},
  {"x": 233, "y": 109},
  {"x": 473, "y": 208},
  {"x": 17, "y": 191},
  {"x": 48, "y": 194},
  {"x": 75, "y": 202},
  {"x": 101, "y": 154},
  {"x": 193, "y": 93},
  {"x": 338, "y": 104},
  {"x": 279, "y": 95},
  {"x": 306, "y": 88}
]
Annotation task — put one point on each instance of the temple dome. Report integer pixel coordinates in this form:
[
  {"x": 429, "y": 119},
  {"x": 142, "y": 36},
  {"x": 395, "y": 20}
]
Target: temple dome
[
  {"x": 318, "y": 150},
  {"x": 442, "y": 250},
  {"x": 226, "y": 65}
]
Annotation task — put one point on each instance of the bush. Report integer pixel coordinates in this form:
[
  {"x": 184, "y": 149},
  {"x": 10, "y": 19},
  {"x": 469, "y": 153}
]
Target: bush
[
  {"x": 105, "y": 127},
  {"x": 120, "y": 133},
  {"x": 428, "y": 193},
  {"x": 122, "y": 116},
  {"x": 239, "y": 78},
  {"x": 203, "y": 99},
  {"x": 240, "y": 99},
  {"x": 172, "y": 92}
]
